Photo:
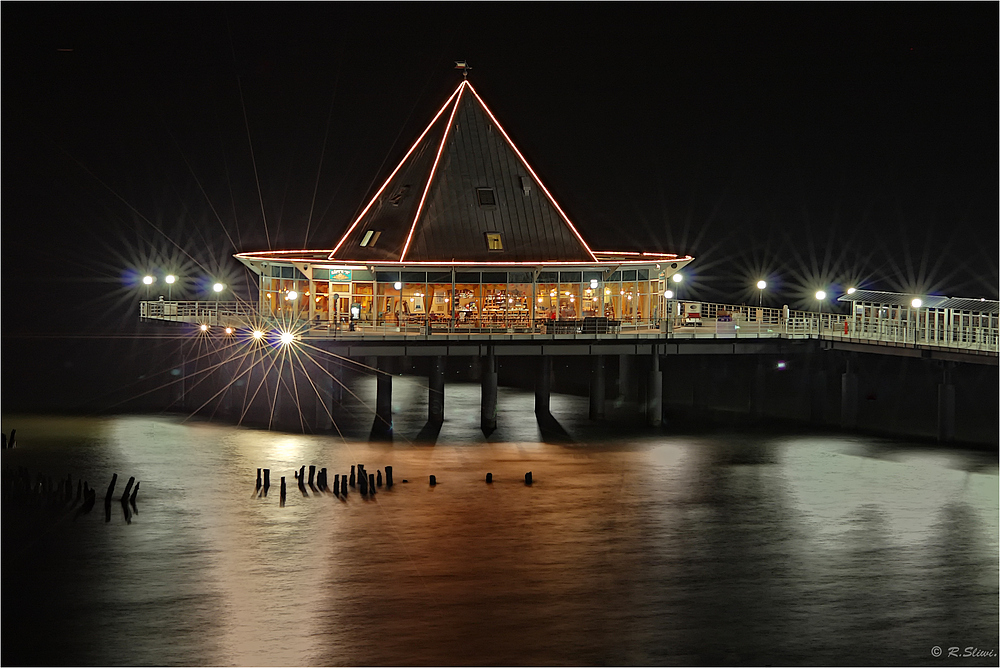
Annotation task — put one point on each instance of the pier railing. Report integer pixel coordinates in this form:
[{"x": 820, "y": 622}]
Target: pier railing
[{"x": 718, "y": 321}]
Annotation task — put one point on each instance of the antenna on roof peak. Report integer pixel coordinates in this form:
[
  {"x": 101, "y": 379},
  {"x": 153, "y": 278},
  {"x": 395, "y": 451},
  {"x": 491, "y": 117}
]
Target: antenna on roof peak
[{"x": 464, "y": 66}]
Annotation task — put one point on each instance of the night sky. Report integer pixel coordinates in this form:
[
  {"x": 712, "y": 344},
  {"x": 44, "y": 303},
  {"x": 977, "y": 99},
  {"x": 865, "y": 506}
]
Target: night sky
[{"x": 817, "y": 146}]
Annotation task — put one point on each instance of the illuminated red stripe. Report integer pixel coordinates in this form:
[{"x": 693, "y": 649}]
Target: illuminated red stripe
[
  {"x": 430, "y": 178},
  {"x": 398, "y": 167},
  {"x": 269, "y": 255},
  {"x": 534, "y": 175}
]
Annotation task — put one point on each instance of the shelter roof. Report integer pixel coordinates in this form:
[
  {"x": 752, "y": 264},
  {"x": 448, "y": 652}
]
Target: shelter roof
[
  {"x": 463, "y": 192},
  {"x": 928, "y": 301}
]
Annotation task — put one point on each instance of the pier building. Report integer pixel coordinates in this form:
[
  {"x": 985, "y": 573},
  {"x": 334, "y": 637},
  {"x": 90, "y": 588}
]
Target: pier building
[
  {"x": 464, "y": 257},
  {"x": 463, "y": 235}
]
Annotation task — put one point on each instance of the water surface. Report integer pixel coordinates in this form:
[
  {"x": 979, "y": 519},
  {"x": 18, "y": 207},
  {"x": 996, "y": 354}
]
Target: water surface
[{"x": 641, "y": 548}]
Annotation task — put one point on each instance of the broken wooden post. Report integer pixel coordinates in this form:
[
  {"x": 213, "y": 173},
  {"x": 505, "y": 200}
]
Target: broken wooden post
[
  {"x": 258, "y": 478},
  {"x": 378, "y": 478},
  {"x": 312, "y": 473},
  {"x": 128, "y": 488},
  {"x": 363, "y": 483},
  {"x": 135, "y": 490},
  {"x": 352, "y": 475},
  {"x": 336, "y": 483},
  {"x": 388, "y": 476},
  {"x": 434, "y": 480},
  {"x": 267, "y": 479},
  {"x": 111, "y": 489},
  {"x": 527, "y": 478},
  {"x": 343, "y": 485},
  {"x": 489, "y": 477},
  {"x": 282, "y": 489},
  {"x": 371, "y": 482}
]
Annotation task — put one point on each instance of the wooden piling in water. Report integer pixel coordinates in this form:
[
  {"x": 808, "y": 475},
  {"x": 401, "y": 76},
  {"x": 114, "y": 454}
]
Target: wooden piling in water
[
  {"x": 489, "y": 477},
  {"x": 312, "y": 473},
  {"x": 135, "y": 491},
  {"x": 282, "y": 489},
  {"x": 363, "y": 483},
  {"x": 128, "y": 488},
  {"x": 352, "y": 475},
  {"x": 267, "y": 479},
  {"x": 343, "y": 485},
  {"x": 336, "y": 483},
  {"x": 388, "y": 476},
  {"x": 434, "y": 480},
  {"x": 378, "y": 478},
  {"x": 371, "y": 483},
  {"x": 527, "y": 478},
  {"x": 258, "y": 478},
  {"x": 111, "y": 489}
]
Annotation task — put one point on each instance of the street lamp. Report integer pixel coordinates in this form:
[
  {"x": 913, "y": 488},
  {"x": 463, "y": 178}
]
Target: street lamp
[
  {"x": 170, "y": 279},
  {"x": 820, "y": 296},
  {"x": 148, "y": 280},
  {"x": 218, "y": 288},
  {"x": 760, "y": 286}
]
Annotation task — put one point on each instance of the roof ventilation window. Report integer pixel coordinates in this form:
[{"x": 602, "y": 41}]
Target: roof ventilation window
[
  {"x": 494, "y": 242},
  {"x": 526, "y": 185},
  {"x": 487, "y": 198},
  {"x": 371, "y": 236}
]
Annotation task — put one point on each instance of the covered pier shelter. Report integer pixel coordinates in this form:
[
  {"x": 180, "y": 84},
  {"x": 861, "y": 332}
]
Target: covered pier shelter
[{"x": 463, "y": 235}]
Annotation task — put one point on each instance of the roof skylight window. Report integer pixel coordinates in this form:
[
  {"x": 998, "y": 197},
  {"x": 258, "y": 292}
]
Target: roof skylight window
[
  {"x": 487, "y": 197},
  {"x": 494, "y": 242}
]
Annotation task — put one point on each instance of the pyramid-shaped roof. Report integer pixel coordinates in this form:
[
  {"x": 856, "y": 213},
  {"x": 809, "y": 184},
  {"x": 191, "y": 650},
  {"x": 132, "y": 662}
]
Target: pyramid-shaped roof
[{"x": 462, "y": 183}]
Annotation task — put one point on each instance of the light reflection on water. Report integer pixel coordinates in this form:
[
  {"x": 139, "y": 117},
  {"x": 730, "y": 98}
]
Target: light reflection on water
[{"x": 647, "y": 549}]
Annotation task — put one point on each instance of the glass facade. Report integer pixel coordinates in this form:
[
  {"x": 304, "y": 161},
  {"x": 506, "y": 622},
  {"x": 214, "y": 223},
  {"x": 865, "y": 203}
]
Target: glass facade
[{"x": 487, "y": 300}]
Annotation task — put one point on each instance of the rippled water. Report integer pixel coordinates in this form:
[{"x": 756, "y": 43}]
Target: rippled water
[{"x": 640, "y": 548}]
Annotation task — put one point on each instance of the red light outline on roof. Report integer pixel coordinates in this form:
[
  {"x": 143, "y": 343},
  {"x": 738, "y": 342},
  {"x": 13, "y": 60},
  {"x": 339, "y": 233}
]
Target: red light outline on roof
[
  {"x": 533, "y": 174},
  {"x": 398, "y": 167},
  {"x": 430, "y": 177}
]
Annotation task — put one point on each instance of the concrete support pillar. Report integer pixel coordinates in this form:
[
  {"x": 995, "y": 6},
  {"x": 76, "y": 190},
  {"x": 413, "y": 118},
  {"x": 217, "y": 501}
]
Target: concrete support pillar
[
  {"x": 758, "y": 387},
  {"x": 435, "y": 390},
  {"x": 324, "y": 394},
  {"x": 488, "y": 411},
  {"x": 543, "y": 385},
  {"x": 817, "y": 396},
  {"x": 625, "y": 389},
  {"x": 383, "y": 398},
  {"x": 946, "y": 406},
  {"x": 227, "y": 400},
  {"x": 597, "y": 387},
  {"x": 849, "y": 396},
  {"x": 654, "y": 392},
  {"x": 336, "y": 368}
]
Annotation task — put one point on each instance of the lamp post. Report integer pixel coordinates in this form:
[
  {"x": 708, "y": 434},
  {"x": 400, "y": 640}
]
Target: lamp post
[
  {"x": 820, "y": 296},
  {"x": 170, "y": 279},
  {"x": 916, "y": 304},
  {"x": 760, "y": 296},
  {"x": 148, "y": 280},
  {"x": 218, "y": 288}
]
